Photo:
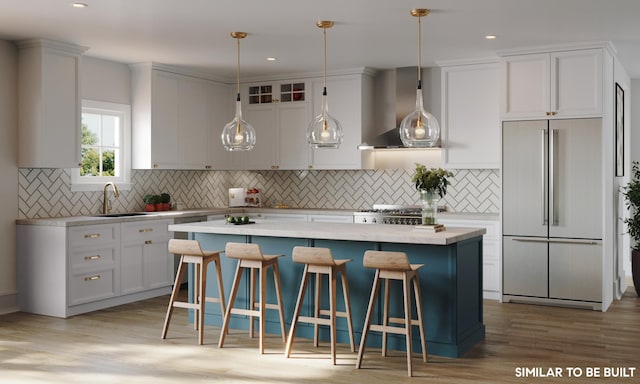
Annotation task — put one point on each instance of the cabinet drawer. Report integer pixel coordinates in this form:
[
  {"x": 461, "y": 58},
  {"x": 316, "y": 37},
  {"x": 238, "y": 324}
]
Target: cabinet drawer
[
  {"x": 93, "y": 235},
  {"x": 90, "y": 259},
  {"x": 92, "y": 286},
  {"x": 141, "y": 230}
]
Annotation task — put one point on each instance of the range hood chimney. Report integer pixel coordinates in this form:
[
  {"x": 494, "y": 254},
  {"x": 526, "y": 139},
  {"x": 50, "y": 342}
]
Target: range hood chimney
[{"x": 404, "y": 89}]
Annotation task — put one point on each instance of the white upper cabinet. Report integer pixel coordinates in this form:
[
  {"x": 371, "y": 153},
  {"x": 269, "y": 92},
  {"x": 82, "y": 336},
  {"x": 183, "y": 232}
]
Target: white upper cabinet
[
  {"x": 279, "y": 112},
  {"x": 221, "y": 103},
  {"x": 49, "y": 104},
  {"x": 553, "y": 85},
  {"x": 350, "y": 101},
  {"x": 175, "y": 118},
  {"x": 470, "y": 122}
]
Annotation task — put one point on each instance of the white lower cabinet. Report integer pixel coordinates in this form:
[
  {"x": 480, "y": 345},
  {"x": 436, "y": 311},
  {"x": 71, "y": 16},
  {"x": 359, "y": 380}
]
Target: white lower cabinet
[
  {"x": 145, "y": 260},
  {"x": 93, "y": 259},
  {"x": 65, "y": 271},
  {"x": 491, "y": 265}
]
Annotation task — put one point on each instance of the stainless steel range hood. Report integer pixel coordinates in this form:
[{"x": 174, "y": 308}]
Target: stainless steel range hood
[{"x": 398, "y": 99}]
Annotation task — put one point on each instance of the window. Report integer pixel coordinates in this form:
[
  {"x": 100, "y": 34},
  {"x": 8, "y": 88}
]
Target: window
[{"x": 105, "y": 146}]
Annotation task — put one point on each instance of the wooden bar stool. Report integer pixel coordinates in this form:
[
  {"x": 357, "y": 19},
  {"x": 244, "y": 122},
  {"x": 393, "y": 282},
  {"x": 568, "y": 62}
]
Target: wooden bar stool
[
  {"x": 321, "y": 262},
  {"x": 191, "y": 253},
  {"x": 250, "y": 256},
  {"x": 393, "y": 266}
]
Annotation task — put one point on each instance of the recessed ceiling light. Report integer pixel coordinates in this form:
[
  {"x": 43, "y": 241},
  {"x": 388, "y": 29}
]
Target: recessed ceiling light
[
  {"x": 490, "y": 37},
  {"x": 79, "y": 5},
  {"x": 272, "y": 58}
]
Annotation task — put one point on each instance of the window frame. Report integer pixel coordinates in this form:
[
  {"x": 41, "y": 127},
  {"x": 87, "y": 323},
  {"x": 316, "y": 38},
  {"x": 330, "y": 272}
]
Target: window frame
[{"x": 96, "y": 183}]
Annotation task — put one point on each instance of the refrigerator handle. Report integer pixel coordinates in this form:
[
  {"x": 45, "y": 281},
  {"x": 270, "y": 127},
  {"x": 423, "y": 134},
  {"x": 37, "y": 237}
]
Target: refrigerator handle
[
  {"x": 543, "y": 175},
  {"x": 553, "y": 138}
]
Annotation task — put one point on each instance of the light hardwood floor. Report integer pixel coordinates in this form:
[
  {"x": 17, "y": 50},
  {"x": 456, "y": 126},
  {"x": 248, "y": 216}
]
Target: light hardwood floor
[{"x": 123, "y": 345}]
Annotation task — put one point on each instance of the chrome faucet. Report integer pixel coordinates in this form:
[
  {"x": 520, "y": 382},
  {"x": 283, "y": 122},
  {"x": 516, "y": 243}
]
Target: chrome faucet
[{"x": 106, "y": 204}]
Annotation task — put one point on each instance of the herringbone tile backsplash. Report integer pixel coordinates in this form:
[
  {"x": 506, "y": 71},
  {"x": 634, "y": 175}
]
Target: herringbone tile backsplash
[{"x": 47, "y": 192}]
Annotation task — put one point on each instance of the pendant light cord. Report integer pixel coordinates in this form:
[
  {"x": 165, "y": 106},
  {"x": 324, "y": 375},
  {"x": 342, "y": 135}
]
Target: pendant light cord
[
  {"x": 238, "y": 72},
  {"x": 238, "y": 129},
  {"x": 324, "y": 30},
  {"x": 419, "y": 51}
]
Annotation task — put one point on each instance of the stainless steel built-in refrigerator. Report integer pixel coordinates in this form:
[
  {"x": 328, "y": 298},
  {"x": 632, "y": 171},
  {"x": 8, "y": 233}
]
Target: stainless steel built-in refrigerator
[{"x": 552, "y": 211}]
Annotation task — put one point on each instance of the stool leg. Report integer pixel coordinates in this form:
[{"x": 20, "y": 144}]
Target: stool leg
[
  {"x": 367, "y": 320},
  {"x": 220, "y": 284},
  {"x": 196, "y": 298},
  {"x": 296, "y": 312},
  {"x": 418, "y": 296},
  {"x": 232, "y": 300},
  {"x": 174, "y": 293},
  {"x": 316, "y": 311},
  {"x": 252, "y": 300},
  {"x": 276, "y": 276},
  {"x": 332, "y": 312},
  {"x": 407, "y": 319},
  {"x": 263, "y": 301},
  {"x": 385, "y": 316},
  {"x": 347, "y": 305},
  {"x": 201, "y": 292}
]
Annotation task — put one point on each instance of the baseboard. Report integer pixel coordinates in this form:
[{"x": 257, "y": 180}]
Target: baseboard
[
  {"x": 8, "y": 303},
  {"x": 492, "y": 295}
]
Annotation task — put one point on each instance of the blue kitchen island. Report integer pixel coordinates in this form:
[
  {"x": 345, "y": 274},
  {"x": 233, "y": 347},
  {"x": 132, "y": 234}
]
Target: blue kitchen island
[{"x": 451, "y": 279}]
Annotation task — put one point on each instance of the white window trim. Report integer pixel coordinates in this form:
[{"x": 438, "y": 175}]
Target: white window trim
[{"x": 80, "y": 184}]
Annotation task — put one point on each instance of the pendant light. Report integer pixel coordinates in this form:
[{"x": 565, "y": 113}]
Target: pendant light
[
  {"x": 238, "y": 135},
  {"x": 419, "y": 129},
  {"x": 325, "y": 131}
]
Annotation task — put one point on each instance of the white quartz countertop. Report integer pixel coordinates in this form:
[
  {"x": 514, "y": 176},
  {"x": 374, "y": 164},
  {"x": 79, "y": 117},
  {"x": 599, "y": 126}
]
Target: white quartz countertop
[{"x": 387, "y": 233}]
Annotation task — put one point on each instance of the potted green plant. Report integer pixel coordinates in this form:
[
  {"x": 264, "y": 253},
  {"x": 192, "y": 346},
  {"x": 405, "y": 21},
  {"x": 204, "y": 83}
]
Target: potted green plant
[
  {"x": 631, "y": 194},
  {"x": 149, "y": 203},
  {"x": 165, "y": 200},
  {"x": 432, "y": 184}
]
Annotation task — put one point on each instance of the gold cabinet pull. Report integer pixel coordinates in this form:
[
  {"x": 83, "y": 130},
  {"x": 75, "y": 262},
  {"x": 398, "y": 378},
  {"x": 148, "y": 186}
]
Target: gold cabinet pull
[
  {"x": 91, "y": 278},
  {"x": 148, "y": 242},
  {"x": 92, "y": 236},
  {"x": 144, "y": 230},
  {"x": 94, "y": 257}
]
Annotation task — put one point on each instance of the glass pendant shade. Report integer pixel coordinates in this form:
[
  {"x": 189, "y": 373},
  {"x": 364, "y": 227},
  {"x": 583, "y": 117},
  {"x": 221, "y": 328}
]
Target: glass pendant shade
[
  {"x": 238, "y": 135},
  {"x": 325, "y": 131},
  {"x": 419, "y": 129}
]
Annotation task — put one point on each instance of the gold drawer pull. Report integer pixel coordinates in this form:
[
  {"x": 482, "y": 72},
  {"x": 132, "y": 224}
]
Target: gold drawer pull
[
  {"x": 148, "y": 242},
  {"x": 145, "y": 230},
  {"x": 92, "y": 236},
  {"x": 94, "y": 257},
  {"x": 91, "y": 278}
]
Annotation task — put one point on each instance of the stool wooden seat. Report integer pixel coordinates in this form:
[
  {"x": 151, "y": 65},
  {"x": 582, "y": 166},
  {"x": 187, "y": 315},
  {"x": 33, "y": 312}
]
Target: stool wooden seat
[
  {"x": 250, "y": 256},
  {"x": 393, "y": 266},
  {"x": 321, "y": 262},
  {"x": 191, "y": 253}
]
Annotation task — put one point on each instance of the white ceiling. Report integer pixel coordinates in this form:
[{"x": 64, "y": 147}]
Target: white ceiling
[{"x": 372, "y": 33}]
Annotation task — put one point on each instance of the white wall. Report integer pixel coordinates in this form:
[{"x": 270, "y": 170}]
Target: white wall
[
  {"x": 8, "y": 174},
  {"x": 634, "y": 135}
]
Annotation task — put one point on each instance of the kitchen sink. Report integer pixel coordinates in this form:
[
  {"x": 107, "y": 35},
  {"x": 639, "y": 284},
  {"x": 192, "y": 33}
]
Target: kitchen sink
[{"x": 127, "y": 214}]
